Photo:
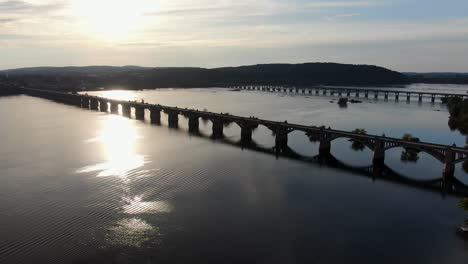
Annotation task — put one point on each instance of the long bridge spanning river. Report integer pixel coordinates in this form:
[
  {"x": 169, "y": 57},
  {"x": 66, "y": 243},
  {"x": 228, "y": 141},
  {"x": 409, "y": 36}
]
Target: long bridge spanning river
[
  {"x": 350, "y": 92},
  {"x": 446, "y": 154}
]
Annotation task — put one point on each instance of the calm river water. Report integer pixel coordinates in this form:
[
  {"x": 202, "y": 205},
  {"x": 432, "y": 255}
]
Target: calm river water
[{"x": 78, "y": 186}]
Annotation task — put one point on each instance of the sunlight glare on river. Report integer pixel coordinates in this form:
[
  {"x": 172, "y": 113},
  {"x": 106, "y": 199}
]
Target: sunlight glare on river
[{"x": 117, "y": 138}]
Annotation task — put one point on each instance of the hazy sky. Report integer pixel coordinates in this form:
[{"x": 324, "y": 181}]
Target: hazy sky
[{"x": 404, "y": 35}]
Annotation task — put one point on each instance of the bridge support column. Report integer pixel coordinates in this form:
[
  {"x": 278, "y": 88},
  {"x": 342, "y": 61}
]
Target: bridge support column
[
  {"x": 246, "y": 134},
  {"x": 155, "y": 115},
  {"x": 94, "y": 104},
  {"x": 114, "y": 108},
  {"x": 139, "y": 112},
  {"x": 126, "y": 110},
  {"x": 76, "y": 100},
  {"x": 193, "y": 124},
  {"x": 247, "y": 129},
  {"x": 103, "y": 107},
  {"x": 449, "y": 166},
  {"x": 217, "y": 129},
  {"x": 173, "y": 119},
  {"x": 379, "y": 153},
  {"x": 324, "y": 147},
  {"x": 281, "y": 139}
]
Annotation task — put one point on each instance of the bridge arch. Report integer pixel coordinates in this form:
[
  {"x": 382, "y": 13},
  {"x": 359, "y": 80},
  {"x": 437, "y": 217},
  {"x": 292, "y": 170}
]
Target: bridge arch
[
  {"x": 416, "y": 166},
  {"x": 367, "y": 143},
  {"x": 434, "y": 153},
  {"x": 300, "y": 143}
]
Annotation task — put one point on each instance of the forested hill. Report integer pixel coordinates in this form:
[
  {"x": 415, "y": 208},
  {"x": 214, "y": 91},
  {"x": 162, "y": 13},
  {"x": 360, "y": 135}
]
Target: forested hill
[
  {"x": 438, "y": 77},
  {"x": 133, "y": 77}
]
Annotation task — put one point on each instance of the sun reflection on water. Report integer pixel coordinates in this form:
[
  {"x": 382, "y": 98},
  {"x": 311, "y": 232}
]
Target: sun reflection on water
[
  {"x": 136, "y": 205},
  {"x": 131, "y": 232},
  {"x": 120, "y": 95},
  {"x": 117, "y": 137}
]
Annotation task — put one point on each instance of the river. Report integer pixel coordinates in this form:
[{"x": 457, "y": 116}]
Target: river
[{"x": 78, "y": 186}]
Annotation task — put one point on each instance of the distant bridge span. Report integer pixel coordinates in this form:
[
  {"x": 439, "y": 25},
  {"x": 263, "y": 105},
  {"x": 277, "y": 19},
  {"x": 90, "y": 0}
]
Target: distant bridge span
[
  {"x": 350, "y": 92},
  {"x": 448, "y": 155}
]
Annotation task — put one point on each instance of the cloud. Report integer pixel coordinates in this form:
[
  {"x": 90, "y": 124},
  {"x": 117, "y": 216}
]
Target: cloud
[
  {"x": 18, "y": 7},
  {"x": 13, "y": 37},
  {"x": 338, "y": 16},
  {"x": 6, "y": 20},
  {"x": 337, "y": 4}
]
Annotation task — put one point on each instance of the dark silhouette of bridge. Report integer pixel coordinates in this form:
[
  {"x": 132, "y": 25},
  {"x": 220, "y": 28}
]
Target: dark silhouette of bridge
[
  {"x": 448, "y": 155},
  {"x": 349, "y": 92}
]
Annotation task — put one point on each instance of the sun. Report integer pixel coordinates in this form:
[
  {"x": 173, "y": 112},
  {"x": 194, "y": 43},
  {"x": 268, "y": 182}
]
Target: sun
[{"x": 112, "y": 19}]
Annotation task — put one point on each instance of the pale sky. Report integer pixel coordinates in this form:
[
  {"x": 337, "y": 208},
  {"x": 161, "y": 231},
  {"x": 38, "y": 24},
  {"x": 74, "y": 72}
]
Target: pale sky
[{"x": 404, "y": 35}]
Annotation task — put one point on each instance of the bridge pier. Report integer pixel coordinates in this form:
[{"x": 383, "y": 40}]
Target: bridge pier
[
  {"x": 194, "y": 121},
  {"x": 247, "y": 129},
  {"x": 173, "y": 118},
  {"x": 94, "y": 104},
  {"x": 114, "y": 107},
  {"x": 76, "y": 100},
  {"x": 379, "y": 153},
  {"x": 281, "y": 139},
  {"x": 103, "y": 107},
  {"x": 324, "y": 147},
  {"x": 126, "y": 110},
  {"x": 139, "y": 112},
  {"x": 449, "y": 166},
  {"x": 246, "y": 134},
  {"x": 217, "y": 129},
  {"x": 155, "y": 115}
]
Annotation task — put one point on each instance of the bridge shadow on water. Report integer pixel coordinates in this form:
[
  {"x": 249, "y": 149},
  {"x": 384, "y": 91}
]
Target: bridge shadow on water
[{"x": 375, "y": 172}]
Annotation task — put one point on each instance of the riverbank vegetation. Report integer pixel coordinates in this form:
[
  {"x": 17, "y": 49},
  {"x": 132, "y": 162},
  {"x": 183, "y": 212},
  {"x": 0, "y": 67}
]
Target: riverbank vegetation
[{"x": 458, "y": 109}]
